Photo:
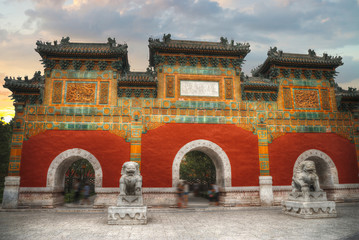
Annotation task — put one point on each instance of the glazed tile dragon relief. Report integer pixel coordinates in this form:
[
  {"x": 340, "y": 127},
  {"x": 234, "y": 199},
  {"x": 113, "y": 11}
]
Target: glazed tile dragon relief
[{"x": 81, "y": 92}]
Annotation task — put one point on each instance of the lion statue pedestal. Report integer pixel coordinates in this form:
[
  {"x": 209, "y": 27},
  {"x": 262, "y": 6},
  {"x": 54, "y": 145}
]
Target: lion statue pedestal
[
  {"x": 130, "y": 209},
  {"x": 307, "y": 200}
]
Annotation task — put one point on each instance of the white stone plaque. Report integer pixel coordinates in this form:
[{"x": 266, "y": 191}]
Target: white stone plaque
[{"x": 199, "y": 88}]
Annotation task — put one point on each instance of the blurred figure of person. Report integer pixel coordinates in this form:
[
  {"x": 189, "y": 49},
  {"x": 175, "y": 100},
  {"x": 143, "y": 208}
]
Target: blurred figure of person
[
  {"x": 77, "y": 189},
  {"x": 210, "y": 195},
  {"x": 185, "y": 194},
  {"x": 215, "y": 194},
  {"x": 86, "y": 193},
  {"x": 180, "y": 189}
]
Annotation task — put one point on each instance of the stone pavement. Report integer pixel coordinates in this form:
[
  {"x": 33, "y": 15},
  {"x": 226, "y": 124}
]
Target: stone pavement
[{"x": 170, "y": 223}]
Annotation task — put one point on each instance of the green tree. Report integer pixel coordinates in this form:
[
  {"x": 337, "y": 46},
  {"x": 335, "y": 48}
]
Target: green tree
[
  {"x": 197, "y": 166},
  {"x": 5, "y": 146}
]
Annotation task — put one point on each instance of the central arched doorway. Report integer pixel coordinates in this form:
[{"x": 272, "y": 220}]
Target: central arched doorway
[
  {"x": 222, "y": 171},
  {"x": 80, "y": 177},
  {"x": 197, "y": 167},
  {"x": 214, "y": 152},
  {"x": 197, "y": 172},
  {"x": 56, "y": 175}
]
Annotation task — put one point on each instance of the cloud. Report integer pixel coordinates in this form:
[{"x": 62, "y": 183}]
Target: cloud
[
  {"x": 293, "y": 26},
  {"x": 354, "y": 83},
  {"x": 265, "y": 22},
  {"x": 3, "y": 36},
  {"x": 6, "y": 104},
  {"x": 349, "y": 72}
]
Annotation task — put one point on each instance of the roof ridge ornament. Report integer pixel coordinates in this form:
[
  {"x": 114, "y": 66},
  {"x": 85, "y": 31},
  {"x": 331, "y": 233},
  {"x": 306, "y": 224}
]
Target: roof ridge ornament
[
  {"x": 224, "y": 40},
  {"x": 65, "y": 40},
  {"x": 272, "y": 51},
  {"x": 166, "y": 38},
  {"x": 111, "y": 42},
  {"x": 312, "y": 53}
]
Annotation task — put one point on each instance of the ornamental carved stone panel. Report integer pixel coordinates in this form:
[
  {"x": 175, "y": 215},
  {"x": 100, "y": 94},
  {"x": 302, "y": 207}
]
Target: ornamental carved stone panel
[
  {"x": 57, "y": 92},
  {"x": 306, "y": 99},
  {"x": 104, "y": 92},
  {"x": 287, "y": 97},
  {"x": 325, "y": 99},
  {"x": 170, "y": 86},
  {"x": 229, "y": 88},
  {"x": 81, "y": 92}
]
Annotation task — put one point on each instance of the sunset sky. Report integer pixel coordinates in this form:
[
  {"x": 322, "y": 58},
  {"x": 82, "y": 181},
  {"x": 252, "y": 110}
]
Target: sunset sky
[{"x": 329, "y": 26}]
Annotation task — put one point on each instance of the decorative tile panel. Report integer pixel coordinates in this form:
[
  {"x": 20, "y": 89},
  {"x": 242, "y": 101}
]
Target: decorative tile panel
[
  {"x": 57, "y": 92},
  {"x": 325, "y": 99},
  {"x": 287, "y": 97},
  {"x": 81, "y": 92},
  {"x": 170, "y": 86},
  {"x": 306, "y": 99},
  {"x": 228, "y": 88},
  {"x": 104, "y": 92}
]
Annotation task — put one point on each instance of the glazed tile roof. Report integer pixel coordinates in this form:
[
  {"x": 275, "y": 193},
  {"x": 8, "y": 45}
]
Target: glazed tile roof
[
  {"x": 347, "y": 100},
  {"x": 167, "y": 45},
  {"x": 67, "y": 48},
  {"x": 351, "y": 93},
  {"x": 199, "y": 45},
  {"x": 138, "y": 78},
  {"x": 18, "y": 84},
  {"x": 259, "y": 83},
  {"x": 280, "y": 58}
]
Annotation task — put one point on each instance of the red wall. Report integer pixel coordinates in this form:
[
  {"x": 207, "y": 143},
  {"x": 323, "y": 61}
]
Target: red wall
[
  {"x": 160, "y": 146},
  {"x": 39, "y": 151},
  {"x": 284, "y": 151}
]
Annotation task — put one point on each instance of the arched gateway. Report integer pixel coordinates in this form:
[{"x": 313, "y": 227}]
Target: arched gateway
[
  {"x": 59, "y": 166},
  {"x": 192, "y": 90},
  {"x": 215, "y": 152}
]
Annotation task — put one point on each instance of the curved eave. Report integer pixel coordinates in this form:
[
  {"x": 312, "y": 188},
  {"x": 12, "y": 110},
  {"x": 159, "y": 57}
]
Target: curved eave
[
  {"x": 242, "y": 52},
  {"x": 325, "y": 64},
  {"x": 349, "y": 96},
  {"x": 23, "y": 88},
  {"x": 77, "y": 53},
  {"x": 231, "y": 52}
]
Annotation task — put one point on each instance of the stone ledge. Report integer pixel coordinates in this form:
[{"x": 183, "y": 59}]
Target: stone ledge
[
  {"x": 144, "y": 190},
  {"x": 335, "y": 187},
  {"x": 40, "y": 190},
  {"x": 12, "y": 181},
  {"x": 240, "y": 189}
]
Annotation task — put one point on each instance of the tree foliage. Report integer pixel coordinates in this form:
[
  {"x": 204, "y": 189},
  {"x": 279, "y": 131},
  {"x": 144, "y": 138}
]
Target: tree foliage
[
  {"x": 197, "y": 166},
  {"x": 5, "y": 146}
]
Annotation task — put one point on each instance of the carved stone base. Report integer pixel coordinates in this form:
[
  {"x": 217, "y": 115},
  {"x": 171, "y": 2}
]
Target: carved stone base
[
  {"x": 266, "y": 190},
  {"x": 128, "y": 215},
  {"x": 324, "y": 209},
  {"x": 11, "y": 192},
  {"x": 308, "y": 196}
]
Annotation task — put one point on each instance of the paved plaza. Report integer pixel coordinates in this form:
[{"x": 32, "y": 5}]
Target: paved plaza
[{"x": 169, "y": 223}]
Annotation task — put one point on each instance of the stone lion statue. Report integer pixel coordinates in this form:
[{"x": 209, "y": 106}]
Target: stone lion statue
[
  {"x": 131, "y": 180},
  {"x": 306, "y": 178}
]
